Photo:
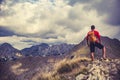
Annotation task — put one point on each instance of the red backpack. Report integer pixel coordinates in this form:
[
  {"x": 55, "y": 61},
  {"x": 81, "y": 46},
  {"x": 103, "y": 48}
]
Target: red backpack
[{"x": 91, "y": 36}]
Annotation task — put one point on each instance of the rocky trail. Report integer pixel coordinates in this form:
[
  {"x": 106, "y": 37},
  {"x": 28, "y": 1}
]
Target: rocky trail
[{"x": 101, "y": 70}]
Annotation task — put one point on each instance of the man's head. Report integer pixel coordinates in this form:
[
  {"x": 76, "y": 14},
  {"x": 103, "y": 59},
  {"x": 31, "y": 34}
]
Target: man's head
[{"x": 92, "y": 27}]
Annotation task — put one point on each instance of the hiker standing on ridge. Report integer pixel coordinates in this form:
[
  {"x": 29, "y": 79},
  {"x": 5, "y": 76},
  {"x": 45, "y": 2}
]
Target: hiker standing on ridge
[{"x": 93, "y": 40}]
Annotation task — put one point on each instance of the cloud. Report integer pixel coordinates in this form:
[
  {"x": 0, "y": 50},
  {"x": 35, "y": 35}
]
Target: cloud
[
  {"x": 6, "y": 32},
  {"x": 74, "y": 2},
  {"x": 104, "y": 7},
  {"x": 21, "y": 42},
  {"x": 33, "y": 20},
  {"x": 114, "y": 18},
  {"x": 56, "y": 21},
  {"x": 1, "y": 1},
  {"x": 15, "y": 41}
]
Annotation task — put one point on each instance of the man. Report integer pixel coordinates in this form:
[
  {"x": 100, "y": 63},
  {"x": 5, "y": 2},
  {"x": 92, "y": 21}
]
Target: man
[{"x": 93, "y": 40}]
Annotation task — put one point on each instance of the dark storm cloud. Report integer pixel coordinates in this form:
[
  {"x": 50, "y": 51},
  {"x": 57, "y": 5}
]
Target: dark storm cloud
[
  {"x": 28, "y": 41},
  {"x": 45, "y": 35},
  {"x": 1, "y": 1},
  {"x": 118, "y": 36},
  {"x": 114, "y": 17},
  {"x": 5, "y": 32},
  {"x": 103, "y": 7},
  {"x": 111, "y": 9}
]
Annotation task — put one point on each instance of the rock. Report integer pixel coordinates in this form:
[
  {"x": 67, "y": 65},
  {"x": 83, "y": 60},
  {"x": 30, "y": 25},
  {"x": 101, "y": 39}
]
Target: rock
[
  {"x": 102, "y": 70},
  {"x": 81, "y": 77}
]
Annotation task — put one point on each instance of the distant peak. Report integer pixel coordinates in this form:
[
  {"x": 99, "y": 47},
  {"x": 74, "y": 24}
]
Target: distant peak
[
  {"x": 6, "y": 44},
  {"x": 44, "y": 44}
]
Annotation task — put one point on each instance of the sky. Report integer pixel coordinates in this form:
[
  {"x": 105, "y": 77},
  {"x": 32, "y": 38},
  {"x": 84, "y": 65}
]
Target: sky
[{"x": 24, "y": 23}]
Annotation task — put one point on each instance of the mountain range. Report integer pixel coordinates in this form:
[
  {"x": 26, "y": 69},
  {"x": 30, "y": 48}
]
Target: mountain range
[
  {"x": 43, "y": 49},
  {"x": 46, "y": 50},
  {"x": 81, "y": 49}
]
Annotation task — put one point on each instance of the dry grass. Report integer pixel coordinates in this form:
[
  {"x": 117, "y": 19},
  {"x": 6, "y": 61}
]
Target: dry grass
[
  {"x": 50, "y": 76},
  {"x": 83, "y": 51},
  {"x": 17, "y": 70},
  {"x": 65, "y": 67}
]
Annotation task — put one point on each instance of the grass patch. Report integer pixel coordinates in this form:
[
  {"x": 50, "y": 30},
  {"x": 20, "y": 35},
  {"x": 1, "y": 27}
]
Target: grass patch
[
  {"x": 66, "y": 66},
  {"x": 51, "y": 76}
]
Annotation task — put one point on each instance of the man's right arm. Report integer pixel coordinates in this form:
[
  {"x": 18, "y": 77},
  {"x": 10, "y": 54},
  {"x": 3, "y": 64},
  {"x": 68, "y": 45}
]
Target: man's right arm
[{"x": 98, "y": 36}]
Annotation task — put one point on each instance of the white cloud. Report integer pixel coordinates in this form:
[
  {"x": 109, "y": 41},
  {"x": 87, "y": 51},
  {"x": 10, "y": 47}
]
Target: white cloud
[
  {"x": 15, "y": 41},
  {"x": 52, "y": 22}
]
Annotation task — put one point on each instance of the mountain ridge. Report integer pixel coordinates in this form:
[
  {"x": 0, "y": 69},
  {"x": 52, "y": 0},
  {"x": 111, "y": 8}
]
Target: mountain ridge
[
  {"x": 8, "y": 50},
  {"x": 43, "y": 49},
  {"x": 112, "y": 46}
]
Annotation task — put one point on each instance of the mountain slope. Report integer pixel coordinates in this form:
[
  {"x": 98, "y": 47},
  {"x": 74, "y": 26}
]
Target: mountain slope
[
  {"x": 26, "y": 67},
  {"x": 6, "y": 50},
  {"x": 112, "y": 48}
]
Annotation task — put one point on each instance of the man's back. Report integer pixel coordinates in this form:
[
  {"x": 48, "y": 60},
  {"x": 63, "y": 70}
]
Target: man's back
[{"x": 93, "y": 36}]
